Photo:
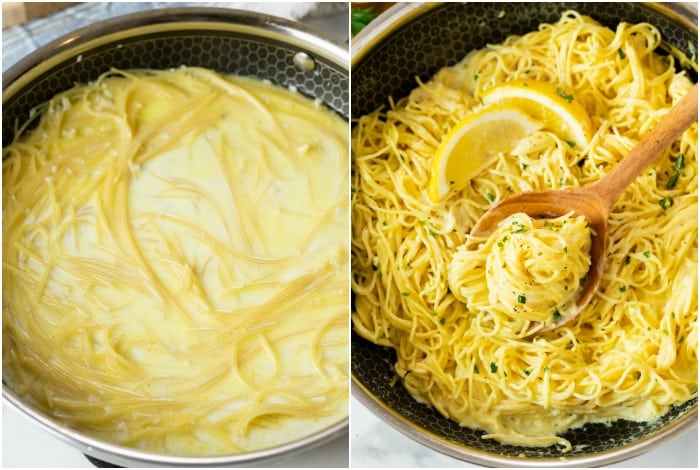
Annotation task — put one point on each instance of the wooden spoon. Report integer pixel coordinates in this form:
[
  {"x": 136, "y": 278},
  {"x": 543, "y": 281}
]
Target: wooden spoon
[{"x": 595, "y": 200}]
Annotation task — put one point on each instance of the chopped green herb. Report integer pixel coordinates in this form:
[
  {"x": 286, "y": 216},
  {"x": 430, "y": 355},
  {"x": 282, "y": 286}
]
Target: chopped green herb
[
  {"x": 490, "y": 197},
  {"x": 621, "y": 53},
  {"x": 581, "y": 162},
  {"x": 563, "y": 94},
  {"x": 384, "y": 223},
  {"x": 673, "y": 180},
  {"x": 556, "y": 315},
  {"x": 374, "y": 267},
  {"x": 680, "y": 340},
  {"x": 680, "y": 162},
  {"x": 571, "y": 143},
  {"x": 476, "y": 76},
  {"x": 452, "y": 182},
  {"x": 646, "y": 254},
  {"x": 432, "y": 232},
  {"x": 442, "y": 321},
  {"x": 519, "y": 228},
  {"x": 628, "y": 258},
  {"x": 677, "y": 167},
  {"x": 522, "y": 299},
  {"x": 476, "y": 369},
  {"x": 523, "y": 165},
  {"x": 494, "y": 368},
  {"x": 566, "y": 250},
  {"x": 623, "y": 288},
  {"x": 665, "y": 203},
  {"x": 405, "y": 294},
  {"x": 527, "y": 372}
]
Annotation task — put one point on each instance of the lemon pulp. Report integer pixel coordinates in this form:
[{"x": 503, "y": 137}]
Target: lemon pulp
[
  {"x": 473, "y": 143},
  {"x": 555, "y": 107}
]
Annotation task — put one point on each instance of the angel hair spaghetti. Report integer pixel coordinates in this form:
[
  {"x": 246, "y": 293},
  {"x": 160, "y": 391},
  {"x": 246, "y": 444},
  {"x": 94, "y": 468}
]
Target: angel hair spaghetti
[
  {"x": 175, "y": 262},
  {"x": 529, "y": 269},
  {"x": 456, "y": 319}
]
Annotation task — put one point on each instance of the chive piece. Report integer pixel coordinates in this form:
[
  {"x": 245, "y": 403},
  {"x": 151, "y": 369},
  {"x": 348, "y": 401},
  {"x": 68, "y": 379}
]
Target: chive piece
[
  {"x": 490, "y": 197},
  {"x": 623, "y": 288},
  {"x": 556, "y": 315},
  {"x": 476, "y": 369},
  {"x": 405, "y": 294},
  {"x": 571, "y": 143},
  {"x": 673, "y": 180},
  {"x": 527, "y": 371},
  {"x": 677, "y": 167},
  {"x": 522, "y": 299},
  {"x": 646, "y": 254},
  {"x": 494, "y": 368},
  {"x": 621, "y": 53},
  {"x": 563, "y": 94},
  {"x": 628, "y": 258}
]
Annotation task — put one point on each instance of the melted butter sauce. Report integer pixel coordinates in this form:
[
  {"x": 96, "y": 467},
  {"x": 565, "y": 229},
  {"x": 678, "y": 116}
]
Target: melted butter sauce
[{"x": 192, "y": 266}]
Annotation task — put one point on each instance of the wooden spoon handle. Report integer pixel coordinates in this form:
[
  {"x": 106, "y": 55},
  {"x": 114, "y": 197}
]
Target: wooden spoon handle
[{"x": 671, "y": 126}]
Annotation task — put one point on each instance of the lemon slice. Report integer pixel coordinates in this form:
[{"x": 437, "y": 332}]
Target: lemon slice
[
  {"x": 556, "y": 108},
  {"x": 473, "y": 143}
]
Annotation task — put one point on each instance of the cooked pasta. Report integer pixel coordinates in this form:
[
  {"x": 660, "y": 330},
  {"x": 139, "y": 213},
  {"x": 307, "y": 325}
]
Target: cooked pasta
[
  {"x": 528, "y": 269},
  {"x": 176, "y": 262},
  {"x": 632, "y": 352}
]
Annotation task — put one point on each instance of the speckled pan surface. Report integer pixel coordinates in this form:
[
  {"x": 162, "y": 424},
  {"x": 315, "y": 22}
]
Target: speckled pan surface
[
  {"x": 242, "y": 43},
  {"x": 437, "y": 36},
  {"x": 412, "y": 41}
]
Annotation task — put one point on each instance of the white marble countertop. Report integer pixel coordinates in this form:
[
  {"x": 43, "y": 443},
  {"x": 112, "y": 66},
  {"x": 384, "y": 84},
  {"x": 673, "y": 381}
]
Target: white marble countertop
[{"x": 375, "y": 444}]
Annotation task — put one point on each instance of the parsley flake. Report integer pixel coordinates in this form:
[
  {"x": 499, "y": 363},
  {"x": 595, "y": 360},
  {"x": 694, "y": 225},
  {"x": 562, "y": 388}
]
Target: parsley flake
[{"x": 569, "y": 98}]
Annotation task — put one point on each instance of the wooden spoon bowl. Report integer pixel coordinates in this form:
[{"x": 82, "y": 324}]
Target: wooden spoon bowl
[{"x": 595, "y": 201}]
